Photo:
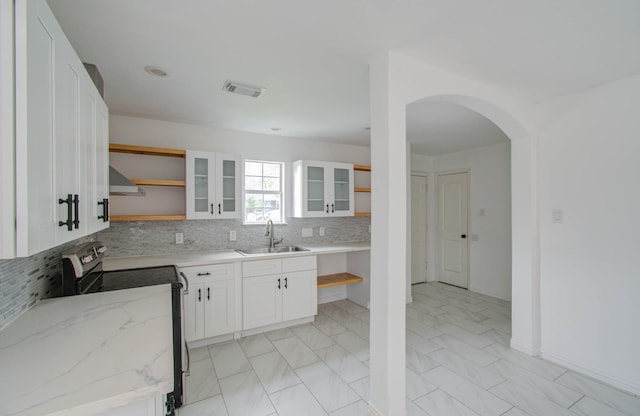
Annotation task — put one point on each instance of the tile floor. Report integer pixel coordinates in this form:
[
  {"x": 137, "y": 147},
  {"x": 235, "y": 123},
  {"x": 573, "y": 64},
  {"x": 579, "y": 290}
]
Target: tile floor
[{"x": 458, "y": 363}]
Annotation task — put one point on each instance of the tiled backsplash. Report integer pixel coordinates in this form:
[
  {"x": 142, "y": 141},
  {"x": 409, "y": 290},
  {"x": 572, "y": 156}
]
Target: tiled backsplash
[
  {"x": 137, "y": 238},
  {"x": 26, "y": 280}
]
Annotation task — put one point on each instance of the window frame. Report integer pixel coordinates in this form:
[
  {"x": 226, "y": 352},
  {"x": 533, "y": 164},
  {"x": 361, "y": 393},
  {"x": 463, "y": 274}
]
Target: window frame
[{"x": 282, "y": 191}]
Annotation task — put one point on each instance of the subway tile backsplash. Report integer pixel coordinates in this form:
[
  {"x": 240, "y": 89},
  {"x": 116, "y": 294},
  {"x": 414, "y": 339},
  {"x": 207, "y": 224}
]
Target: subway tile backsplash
[
  {"x": 26, "y": 280},
  {"x": 139, "y": 238}
]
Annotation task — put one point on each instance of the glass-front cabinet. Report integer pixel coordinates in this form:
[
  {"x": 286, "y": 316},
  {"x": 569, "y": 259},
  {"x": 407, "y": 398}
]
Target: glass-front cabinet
[
  {"x": 322, "y": 189},
  {"x": 213, "y": 185}
]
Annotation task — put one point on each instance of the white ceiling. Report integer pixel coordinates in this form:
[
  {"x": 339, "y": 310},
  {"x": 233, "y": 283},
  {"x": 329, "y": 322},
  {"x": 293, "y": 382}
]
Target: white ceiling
[{"x": 313, "y": 57}]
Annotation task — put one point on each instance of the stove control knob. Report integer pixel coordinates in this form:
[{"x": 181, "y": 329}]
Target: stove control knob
[
  {"x": 86, "y": 259},
  {"x": 102, "y": 249}
]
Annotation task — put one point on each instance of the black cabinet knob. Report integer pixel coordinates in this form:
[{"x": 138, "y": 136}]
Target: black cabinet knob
[{"x": 463, "y": 236}]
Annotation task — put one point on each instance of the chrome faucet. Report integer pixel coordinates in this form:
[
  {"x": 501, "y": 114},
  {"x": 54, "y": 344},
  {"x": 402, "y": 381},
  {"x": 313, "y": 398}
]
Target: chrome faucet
[{"x": 269, "y": 233}]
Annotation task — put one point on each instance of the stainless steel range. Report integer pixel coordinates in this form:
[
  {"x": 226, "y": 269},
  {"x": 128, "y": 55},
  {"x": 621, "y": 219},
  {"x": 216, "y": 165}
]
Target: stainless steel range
[{"x": 82, "y": 273}]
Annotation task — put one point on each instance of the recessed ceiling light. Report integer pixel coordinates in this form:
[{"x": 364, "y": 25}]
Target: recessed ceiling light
[
  {"x": 276, "y": 128},
  {"x": 155, "y": 71}
]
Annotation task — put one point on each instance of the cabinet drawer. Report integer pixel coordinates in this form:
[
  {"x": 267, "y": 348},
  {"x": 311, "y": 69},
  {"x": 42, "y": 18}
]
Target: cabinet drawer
[
  {"x": 226, "y": 270},
  {"x": 261, "y": 267},
  {"x": 295, "y": 264}
]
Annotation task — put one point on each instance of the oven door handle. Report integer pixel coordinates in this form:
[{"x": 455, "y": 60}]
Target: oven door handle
[
  {"x": 186, "y": 347},
  {"x": 186, "y": 291}
]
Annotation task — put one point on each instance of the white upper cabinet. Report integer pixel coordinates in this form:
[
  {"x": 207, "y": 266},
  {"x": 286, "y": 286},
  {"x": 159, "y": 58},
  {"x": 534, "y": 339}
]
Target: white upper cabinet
[
  {"x": 322, "y": 189},
  {"x": 56, "y": 110},
  {"x": 213, "y": 185}
]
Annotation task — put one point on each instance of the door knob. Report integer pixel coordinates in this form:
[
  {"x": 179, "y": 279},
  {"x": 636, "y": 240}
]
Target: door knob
[{"x": 463, "y": 236}]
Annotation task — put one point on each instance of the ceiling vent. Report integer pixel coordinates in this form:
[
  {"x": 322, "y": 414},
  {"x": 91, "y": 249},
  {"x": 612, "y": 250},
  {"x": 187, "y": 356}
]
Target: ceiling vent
[{"x": 243, "y": 89}]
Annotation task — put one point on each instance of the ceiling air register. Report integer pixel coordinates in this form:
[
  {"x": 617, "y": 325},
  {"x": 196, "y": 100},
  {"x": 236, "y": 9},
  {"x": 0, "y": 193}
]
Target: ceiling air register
[{"x": 243, "y": 89}]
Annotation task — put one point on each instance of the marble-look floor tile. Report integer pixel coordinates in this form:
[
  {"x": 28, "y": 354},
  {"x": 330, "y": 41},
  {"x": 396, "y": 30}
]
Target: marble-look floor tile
[
  {"x": 440, "y": 403},
  {"x": 337, "y": 314},
  {"x": 201, "y": 383},
  {"x": 559, "y": 394},
  {"x": 422, "y": 329},
  {"x": 348, "y": 367},
  {"x": 359, "y": 327},
  {"x": 274, "y": 372},
  {"x": 416, "y": 385},
  {"x": 471, "y": 353},
  {"x": 290, "y": 402},
  {"x": 516, "y": 412},
  {"x": 498, "y": 337},
  {"x": 295, "y": 352},
  {"x": 362, "y": 388},
  {"x": 213, "y": 406},
  {"x": 535, "y": 365},
  {"x": 326, "y": 386},
  {"x": 312, "y": 336},
  {"x": 421, "y": 344},
  {"x": 354, "y": 344},
  {"x": 255, "y": 345},
  {"x": 500, "y": 324},
  {"x": 414, "y": 410},
  {"x": 358, "y": 408},
  {"x": 197, "y": 354},
  {"x": 418, "y": 362},
  {"x": 228, "y": 359},
  {"x": 278, "y": 334},
  {"x": 589, "y": 407},
  {"x": 528, "y": 401},
  {"x": 464, "y": 323},
  {"x": 471, "y": 371},
  {"x": 610, "y": 396},
  {"x": 472, "y": 312},
  {"x": 364, "y": 317},
  {"x": 350, "y": 306},
  {"x": 245, "y": 396},
  {"x": 477, "y": 340},
  {"x": 327, "y": 325},
  {"x": 472, "y": 396}
]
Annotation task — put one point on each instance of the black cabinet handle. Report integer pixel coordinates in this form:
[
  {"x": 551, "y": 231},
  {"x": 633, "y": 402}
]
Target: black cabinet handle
[
  {"x": 327, "y": 208},
  {"x": 208, "y": 294},
  {"x": 278, "y": 283},
  {"x": 204, "y": 274},
  {"x": 199, "y": 295},
  {"x": 463, "y": 236},
  {"x": 105, "y": 210},
  {"x": 211, "y": 209},
  {"x": 285, "y": 282},
  {"x": 333, "y": 208},
  {"x": 69, "y": 221},
  {"x": 76, "y": 211},
  {"x": 219, "y": 209}
]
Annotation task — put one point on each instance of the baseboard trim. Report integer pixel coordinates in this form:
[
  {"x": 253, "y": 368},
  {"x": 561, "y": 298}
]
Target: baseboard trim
[
  {"x": 625, "y": 385},
  {"x": 525, "y": 348}
]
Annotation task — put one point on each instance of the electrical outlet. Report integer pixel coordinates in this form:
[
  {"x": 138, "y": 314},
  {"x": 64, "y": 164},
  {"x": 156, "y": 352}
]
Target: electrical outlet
[
  {"x": 307, "y": 232},
  {"x": 321, "y": 231},
  {"x": 179, "y": 238},
  {"x": 232, "y": 235},
  {"x": 557, "y": 216}
]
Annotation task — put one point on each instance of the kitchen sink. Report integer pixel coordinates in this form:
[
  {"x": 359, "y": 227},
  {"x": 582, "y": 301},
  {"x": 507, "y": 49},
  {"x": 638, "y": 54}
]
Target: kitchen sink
[{"x": 266, "y": 250}]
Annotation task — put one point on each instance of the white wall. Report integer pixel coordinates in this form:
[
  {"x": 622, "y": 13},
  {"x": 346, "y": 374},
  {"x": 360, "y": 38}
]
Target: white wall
[
  {"x": 590, "y": 281},
  {"x": 489, "y": 189}
]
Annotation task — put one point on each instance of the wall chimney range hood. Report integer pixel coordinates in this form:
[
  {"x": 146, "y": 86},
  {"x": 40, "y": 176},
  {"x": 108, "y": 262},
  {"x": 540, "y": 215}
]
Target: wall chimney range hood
[{"x": 120, "y": 185}]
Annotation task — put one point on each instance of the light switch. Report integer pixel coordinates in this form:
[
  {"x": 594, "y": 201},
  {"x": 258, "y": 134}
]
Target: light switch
[
  {"x": 179, "y": 238},
  {"x": 481, "y": 212},
  {"x": 556, "y": 216},
  {"x": 307, "y": 232},
  {"x": 321, "y": 231},
  {"x": 232, "y": 235}
]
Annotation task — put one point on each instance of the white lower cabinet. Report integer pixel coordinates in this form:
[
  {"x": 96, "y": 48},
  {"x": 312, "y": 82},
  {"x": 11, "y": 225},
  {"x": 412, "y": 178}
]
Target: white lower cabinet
[
  {"x": 210, "y": 304},
  {"x": 278, "y": 290}
]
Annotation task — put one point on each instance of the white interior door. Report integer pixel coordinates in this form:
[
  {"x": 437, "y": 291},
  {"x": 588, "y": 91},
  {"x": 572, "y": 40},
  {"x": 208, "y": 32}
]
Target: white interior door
[
  {"x": 453, "y": 191},
  {"x": 418, "y": 229}
]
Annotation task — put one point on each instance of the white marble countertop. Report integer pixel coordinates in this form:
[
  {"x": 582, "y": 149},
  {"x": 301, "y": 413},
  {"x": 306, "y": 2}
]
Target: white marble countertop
[
  {"x": 224, "y": 256},
  {"x": 83, "y": 355}
]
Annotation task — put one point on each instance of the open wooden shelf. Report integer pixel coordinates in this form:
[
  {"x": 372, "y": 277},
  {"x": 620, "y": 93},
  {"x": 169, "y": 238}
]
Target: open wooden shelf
[
  {"x": 363, "y": 168},
  {"x": 146, "y": 150},
  {"x": 157, "y": 182},
  {"x": 362, "y": 189},
  {"x": 148, "y": 217},
  {"x": 337, "y": 279},
  {"x": 362, "y": 214}
]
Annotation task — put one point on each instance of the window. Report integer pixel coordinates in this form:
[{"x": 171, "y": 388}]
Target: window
[{"x": 263, "y": 192}]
